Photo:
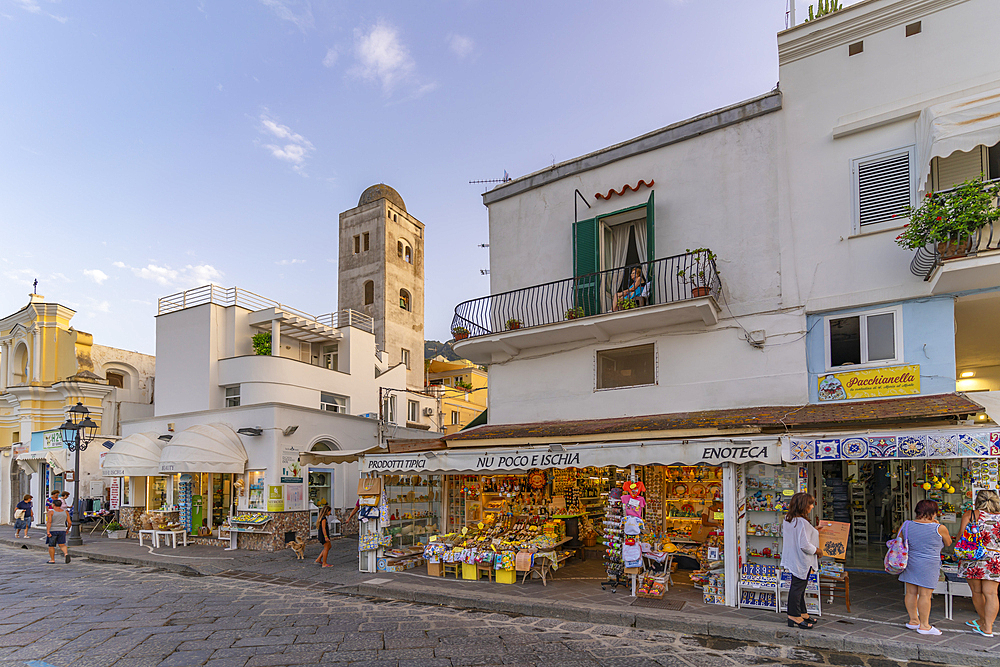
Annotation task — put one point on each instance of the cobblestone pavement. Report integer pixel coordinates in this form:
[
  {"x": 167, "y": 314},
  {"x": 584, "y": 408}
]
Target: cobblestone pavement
[{"x": 96, "y": 615}]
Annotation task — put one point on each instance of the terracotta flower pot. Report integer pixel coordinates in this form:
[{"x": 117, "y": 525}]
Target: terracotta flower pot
[
  {"x": 700, "y": 291},
  {"x": 462, "y": 335}
]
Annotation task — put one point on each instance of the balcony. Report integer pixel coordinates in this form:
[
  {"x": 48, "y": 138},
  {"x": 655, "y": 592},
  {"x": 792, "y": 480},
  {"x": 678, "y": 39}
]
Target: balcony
[
  {"x": 597, "y": 306},
  {"x": 960, "y": 264}
]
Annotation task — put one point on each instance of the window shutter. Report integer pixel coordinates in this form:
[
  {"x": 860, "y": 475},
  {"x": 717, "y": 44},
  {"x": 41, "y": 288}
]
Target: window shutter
[
  {"x": 884, "y": 189},
  {"x": 586, "y": 262},
  {"x": 586, "y": 257},
  {"x": 958, "y": 167},
  {"x": 650, "y": 235}
]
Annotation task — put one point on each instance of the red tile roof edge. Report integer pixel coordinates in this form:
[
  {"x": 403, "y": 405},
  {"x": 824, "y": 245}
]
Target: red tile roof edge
[{"x": 785, "y": 418}]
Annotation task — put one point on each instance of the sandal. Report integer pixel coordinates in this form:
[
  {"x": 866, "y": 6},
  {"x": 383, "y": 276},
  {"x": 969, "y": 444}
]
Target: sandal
[
  {"x": 931, "y": 631},
  {"x": 50, "y": 562}
]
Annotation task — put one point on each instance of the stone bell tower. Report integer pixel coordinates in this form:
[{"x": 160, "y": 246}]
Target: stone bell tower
[{"x": 382, "y": 275}]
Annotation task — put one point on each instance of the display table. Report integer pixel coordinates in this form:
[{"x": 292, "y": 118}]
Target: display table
[
  {"x": 147, "y": 533},
  {"x": 836, "y": 587},
  {"x": 954, "y": 586},
  {"x": 543, "y": 564},
  {"x": 171, "y": 536},
  {"x": 255, "y": 524}
]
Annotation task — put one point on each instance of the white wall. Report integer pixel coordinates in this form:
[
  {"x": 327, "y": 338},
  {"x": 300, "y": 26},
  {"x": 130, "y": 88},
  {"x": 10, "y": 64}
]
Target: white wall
[
  {"x": 832, "y": 267},
  {"x": 186, "y": 359}
]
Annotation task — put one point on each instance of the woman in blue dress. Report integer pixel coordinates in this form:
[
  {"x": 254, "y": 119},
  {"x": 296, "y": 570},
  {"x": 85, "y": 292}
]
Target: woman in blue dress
[{"x": 926, "y": 538}]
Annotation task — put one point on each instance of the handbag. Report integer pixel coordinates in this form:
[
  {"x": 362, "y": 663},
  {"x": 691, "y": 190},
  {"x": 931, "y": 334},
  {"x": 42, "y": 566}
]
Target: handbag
[
  {"x": 369, "y": 486},
  {"x": 895, "y": 559},
  {"x": 970, "y": 544},
  {"x": 369, "y": 501}
]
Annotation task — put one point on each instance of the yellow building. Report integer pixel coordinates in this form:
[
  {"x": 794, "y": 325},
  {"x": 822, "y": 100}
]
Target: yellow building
[
  {"x": 461, "y": 387},
  {"x": 46, "y": 367}
]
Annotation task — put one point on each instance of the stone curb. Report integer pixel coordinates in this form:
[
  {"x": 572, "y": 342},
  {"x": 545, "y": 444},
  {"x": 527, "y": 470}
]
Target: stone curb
[
  {"x": 688, "y": 623},
  {"x": 82, "y": 552}
]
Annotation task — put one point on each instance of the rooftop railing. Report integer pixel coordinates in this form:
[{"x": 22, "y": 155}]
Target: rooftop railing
[
  {"x": 662, "y": 281},
  {"x": 234, "y": 296}
]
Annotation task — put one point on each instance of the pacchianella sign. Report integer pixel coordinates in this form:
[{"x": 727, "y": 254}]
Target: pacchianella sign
[{"x": 714, "y": 452}]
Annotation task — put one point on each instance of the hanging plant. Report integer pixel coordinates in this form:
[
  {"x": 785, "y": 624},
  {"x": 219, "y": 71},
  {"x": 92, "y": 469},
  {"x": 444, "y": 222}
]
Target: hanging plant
[{"x": 951, "y": 217}]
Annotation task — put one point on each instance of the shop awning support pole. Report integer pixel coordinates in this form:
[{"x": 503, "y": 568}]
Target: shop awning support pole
[{"x": 730, "y": 525}]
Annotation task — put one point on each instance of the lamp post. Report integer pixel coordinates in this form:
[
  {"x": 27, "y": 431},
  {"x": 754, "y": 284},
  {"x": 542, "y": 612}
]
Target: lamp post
[{"x": 78, "y": 431}]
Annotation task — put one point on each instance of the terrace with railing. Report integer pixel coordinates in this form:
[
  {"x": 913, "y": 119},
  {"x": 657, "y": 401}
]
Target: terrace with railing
[
  {"x": 928, "y": 259},
  {"x": 234, "y": 296},
  {"x": 682, "y": 278}
]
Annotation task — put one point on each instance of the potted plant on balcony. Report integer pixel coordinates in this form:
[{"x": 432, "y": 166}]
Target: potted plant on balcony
[
  {"x": 625, "y": 303},
  {"x": 116, "y": 531},
  {"x": 262, "y": 343},
  {"x": 574, "y": 313},
  {"x": 699, "y": 275},
  {"x": 951, "y": 219},
  {"x": 460, "y": 333},
  {"x": 514, "y": 323}
]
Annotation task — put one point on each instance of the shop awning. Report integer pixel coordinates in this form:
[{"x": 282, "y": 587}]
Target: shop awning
[
  {"x": 32, "y": 460},
  {"x": 959, "y": 125},
  {"x": 204, "y": 448},
  {"x": 943, "y": 443},
  {"x": 337, "y": 456},
  {"x": 137, "y": 455},
  {"x": 621, "y": 454}
]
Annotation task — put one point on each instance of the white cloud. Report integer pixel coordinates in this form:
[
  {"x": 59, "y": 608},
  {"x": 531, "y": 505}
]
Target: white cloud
[
  {"x": 286, "y": 262},
  {"x": 295, "y": 12},
  {"x": 462, "y": 46},
  {"x": 29, "y": 6},
  {"x": 61, "y": 19},
  {"x": 382, "y": 57},
  {"x": 218, "y": 87},
  {"x": 292, "y": 147},
  {"x": 96, "y": 275},
  {"x": 186, "y": 276},
  {"x": 331, "y": 58}
]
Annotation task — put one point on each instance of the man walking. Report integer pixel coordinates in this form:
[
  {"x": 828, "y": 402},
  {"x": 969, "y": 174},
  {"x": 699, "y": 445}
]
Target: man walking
[
  {"x": 57, "y": 523},
  {"x": 52, "y": 497}
]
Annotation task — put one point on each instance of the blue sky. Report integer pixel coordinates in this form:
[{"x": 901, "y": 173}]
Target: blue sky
[{"x": 150, "y": 147}]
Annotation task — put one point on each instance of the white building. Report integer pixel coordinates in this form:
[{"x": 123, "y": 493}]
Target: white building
[
  {"x": 257, "y": 430},
  {"x": 707, "y": 279}
]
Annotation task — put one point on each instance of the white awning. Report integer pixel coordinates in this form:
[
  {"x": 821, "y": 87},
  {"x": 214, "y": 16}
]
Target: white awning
[
  {"x": 137, "y": 455},
  {"x": 204, "y": 448},
  {"x": 621, "y": 454},
  {"x": 32, "y": 460},
  {"x": 959, "y": 125},
  {"x": 336, "y": 456}
]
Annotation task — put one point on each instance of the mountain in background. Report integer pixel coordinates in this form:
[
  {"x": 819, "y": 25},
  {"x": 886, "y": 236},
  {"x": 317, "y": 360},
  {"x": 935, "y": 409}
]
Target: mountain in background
[{"x": 433, "y": 348}]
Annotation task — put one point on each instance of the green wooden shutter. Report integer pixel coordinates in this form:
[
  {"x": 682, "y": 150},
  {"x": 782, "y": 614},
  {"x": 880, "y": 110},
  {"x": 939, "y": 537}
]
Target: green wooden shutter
[
  {"x": 586, "y": 264},
  {"x": 650, "y": 230}
]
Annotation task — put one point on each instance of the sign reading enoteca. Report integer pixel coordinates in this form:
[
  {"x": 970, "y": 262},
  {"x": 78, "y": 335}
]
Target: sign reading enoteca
[{"x": 709, "y": 452}]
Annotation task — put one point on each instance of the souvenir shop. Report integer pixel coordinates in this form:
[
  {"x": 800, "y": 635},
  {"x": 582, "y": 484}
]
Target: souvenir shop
[
  {"x": 873, "y": 481},
  {"x": 654, "y": 514}
]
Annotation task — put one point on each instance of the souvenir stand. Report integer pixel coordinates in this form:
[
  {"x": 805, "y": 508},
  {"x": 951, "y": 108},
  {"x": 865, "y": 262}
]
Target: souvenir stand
[{"x": 527, "y": 511}]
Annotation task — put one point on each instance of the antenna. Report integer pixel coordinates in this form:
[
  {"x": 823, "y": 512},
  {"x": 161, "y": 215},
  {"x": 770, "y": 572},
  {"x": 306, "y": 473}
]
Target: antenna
[
  {"x": 484, "y": 272},
  {"x": 506, "y": 179},
  {"x": 484, "y": 245}
]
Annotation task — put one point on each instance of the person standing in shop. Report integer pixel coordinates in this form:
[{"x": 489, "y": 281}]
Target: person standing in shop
[
  {"x": 925, "y": 538},
  {"x": 57, "y": 524},
  {"x": 324, "y": 535},
  {"x": 984, "y": 575},
  {"x": 800, "y": 554}
]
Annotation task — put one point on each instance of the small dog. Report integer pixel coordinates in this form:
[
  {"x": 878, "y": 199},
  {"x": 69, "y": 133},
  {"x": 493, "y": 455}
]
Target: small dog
[{"x": 299, "y": 547}]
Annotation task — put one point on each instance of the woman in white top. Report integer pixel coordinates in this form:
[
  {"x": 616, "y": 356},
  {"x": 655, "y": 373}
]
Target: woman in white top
[{"x": 800, "y": 555}]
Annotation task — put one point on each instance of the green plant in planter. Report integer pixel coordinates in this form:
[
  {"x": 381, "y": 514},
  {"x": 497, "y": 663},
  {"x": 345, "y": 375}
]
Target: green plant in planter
[
  {"x": 459, "y": 333},
  {"x": 514, "y": 323},
  {"x": 625, "y": 303},
  {"x": 574, "y": 313},
  {"x": 262, "y": 343},
  {"x": 823, "y": 7},
  {"x": 467, "y": 386},
  {"x": 113, "y": 526},
  {"x": 699, "y": 275},
  {"x": 951, "y": 217}
]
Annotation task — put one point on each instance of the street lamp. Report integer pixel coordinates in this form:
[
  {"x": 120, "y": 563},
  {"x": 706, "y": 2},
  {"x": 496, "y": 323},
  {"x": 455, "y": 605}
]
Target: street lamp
[{"x": 78, "y": 431}]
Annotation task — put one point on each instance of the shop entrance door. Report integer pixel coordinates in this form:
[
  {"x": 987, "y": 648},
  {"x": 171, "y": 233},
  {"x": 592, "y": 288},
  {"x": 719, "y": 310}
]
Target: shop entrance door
[{"x": 222, "y": 497}]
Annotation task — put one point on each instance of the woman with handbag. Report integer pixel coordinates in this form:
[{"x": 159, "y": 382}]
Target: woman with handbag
[
  {"x": 983, "y": 572},
  {"x": 324, "y": 535},
  {"x": 800, "y": 555},
  {"x": 23, "y": 516},
  {"x": 925, "y": 539}
]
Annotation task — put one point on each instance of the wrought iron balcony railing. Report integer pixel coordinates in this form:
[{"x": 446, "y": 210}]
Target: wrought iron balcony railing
[{"x": 667, "y": 280}]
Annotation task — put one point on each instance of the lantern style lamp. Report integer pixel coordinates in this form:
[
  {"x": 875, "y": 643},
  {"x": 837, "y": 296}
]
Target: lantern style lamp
[{"x": 78, "y": 431}]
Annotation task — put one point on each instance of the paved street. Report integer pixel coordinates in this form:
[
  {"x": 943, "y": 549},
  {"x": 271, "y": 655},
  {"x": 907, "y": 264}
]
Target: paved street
[{"x": 95, "y": 615}]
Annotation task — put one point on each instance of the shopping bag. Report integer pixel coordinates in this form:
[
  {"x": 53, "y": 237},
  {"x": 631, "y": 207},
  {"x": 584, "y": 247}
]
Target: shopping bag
[
  {"x": 970, "y": 544},
  {"x": 896, "y": 558}
]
